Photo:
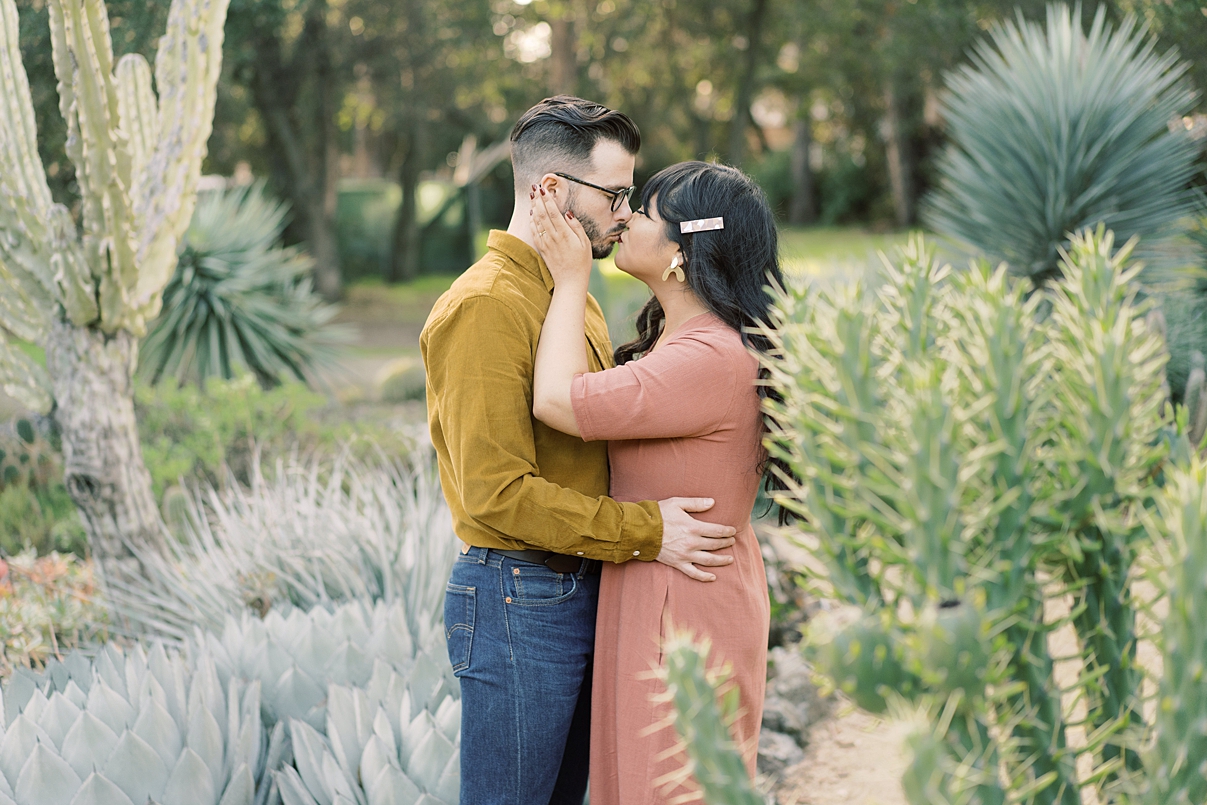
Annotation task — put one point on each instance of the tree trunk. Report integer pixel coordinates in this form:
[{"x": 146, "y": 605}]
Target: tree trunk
[
  {"x": 900, "y": 163},
  {"x": 405, "y": 244},
  {"x": 93, "y": 376},
  {"x": 744, "y": 97},
  {"x": 563, "y": 62},
  {"x": 804, "y": 209}
]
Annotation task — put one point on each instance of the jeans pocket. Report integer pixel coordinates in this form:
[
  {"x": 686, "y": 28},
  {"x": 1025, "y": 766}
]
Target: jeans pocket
[
  {"x": 459, "y": 605},
  {"x": 535, "y": 585}
]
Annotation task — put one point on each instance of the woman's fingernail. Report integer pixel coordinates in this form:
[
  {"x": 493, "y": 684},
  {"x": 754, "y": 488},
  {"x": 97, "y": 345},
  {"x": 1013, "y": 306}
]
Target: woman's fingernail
[
  {"x": 570, "y": 216},
  {"x": 532, "y": 195},
  {"x": 542, "y": 191}
]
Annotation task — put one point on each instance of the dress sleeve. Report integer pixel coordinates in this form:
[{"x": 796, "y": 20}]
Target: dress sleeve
[{"x": 684, "y": 388}]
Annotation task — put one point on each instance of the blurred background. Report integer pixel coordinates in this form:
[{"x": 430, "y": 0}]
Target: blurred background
[{"x": 384, "y": 124}]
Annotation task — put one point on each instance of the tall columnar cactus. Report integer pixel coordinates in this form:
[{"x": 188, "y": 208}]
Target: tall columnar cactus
[
  {"x": 966, "y": 452},
  {"x": 85, "y": 291}
]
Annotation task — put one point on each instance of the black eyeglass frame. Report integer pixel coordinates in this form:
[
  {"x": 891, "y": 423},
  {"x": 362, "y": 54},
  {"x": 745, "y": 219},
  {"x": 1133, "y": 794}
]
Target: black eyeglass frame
[{"x": 618, "y": 196}]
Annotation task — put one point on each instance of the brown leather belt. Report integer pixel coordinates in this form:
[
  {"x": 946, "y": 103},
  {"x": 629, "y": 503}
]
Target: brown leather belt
[{"x": 557, "y": 562}]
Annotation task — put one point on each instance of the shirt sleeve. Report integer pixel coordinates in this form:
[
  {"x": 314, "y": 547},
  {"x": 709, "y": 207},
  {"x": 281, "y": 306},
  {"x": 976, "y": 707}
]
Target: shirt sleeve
[
  {"x": 685, "y": 388},
  {"x": 480, "y": 364}
]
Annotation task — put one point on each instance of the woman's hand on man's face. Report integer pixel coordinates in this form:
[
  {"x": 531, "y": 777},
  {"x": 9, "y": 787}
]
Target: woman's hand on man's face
[{"x": 560, "y": 240}]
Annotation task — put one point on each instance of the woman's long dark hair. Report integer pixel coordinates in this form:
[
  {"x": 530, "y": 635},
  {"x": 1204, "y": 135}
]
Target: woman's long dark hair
[{"x": 728, "y": 269}]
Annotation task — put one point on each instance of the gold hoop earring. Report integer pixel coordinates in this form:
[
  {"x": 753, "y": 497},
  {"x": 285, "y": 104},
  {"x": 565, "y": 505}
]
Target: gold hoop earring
[{"x": 675, "y": 269}]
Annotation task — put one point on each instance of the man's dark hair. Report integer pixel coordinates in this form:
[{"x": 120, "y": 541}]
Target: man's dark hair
[{"x": 559, "y": 134}]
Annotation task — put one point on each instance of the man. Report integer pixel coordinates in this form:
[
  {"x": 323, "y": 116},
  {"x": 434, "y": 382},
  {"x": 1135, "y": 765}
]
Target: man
[{"x": 530, "y": 502}]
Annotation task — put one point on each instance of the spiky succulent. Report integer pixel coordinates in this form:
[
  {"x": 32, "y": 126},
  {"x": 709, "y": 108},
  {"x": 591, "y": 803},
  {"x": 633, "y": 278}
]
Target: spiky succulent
[
  {"x": 239, "y": 300},
  {"x": 395, "y": 740},
  {"x": 1054, "y": 129},
  {"x": 296, "y": 656},
  {"x": 134, "y": 727},
  {"x": 318, "y": 533}
]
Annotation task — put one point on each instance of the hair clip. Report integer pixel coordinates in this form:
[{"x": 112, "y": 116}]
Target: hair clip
[{"x": 702, "y": 225}]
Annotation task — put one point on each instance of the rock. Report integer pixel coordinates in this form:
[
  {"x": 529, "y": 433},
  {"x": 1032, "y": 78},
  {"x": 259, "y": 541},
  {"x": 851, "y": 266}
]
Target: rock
[
  {"x": 777, "y": 752},
  {"x": 793, "y": 703}
]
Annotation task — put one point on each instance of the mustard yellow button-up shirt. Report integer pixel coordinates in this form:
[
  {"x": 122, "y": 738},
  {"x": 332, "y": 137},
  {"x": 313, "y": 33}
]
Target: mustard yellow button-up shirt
[{"x": 511, "y": 482}]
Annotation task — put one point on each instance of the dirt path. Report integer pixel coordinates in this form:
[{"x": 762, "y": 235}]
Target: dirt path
[{"x": 852, "y": 759}]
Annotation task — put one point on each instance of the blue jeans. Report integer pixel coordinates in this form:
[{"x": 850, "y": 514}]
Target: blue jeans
[{"x": 521, "y": 639}]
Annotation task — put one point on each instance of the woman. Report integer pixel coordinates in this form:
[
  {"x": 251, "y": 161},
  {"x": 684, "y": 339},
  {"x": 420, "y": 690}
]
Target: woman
[{"x": 681, "y": 412}]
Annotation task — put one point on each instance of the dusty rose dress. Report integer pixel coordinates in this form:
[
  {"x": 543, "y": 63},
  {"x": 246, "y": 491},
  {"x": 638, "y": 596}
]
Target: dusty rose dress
[{"x": 684, "y": 421}]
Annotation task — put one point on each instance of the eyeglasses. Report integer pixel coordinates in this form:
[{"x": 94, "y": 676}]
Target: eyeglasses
[{"x": 618, "y": 196}]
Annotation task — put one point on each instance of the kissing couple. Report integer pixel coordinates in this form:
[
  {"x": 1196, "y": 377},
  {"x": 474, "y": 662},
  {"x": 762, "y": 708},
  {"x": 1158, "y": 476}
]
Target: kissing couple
[{"x": 603, "y": 495}]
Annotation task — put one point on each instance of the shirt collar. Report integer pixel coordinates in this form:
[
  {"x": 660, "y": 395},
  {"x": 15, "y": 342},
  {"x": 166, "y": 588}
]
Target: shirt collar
[{"x": 520, "y": 253}]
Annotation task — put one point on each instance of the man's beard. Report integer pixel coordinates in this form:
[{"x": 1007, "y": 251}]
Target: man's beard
[{"x": 601, "y": 247}]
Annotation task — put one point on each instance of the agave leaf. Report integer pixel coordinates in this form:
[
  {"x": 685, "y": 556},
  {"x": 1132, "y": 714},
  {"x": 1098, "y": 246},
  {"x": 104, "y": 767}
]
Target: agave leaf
[
  {"x": 308, "y": 750},
  {"x": 88, "y": 744},
  {"x": 428, "y": 763},
  {"x": 425, "y": 681},
  {"x": 297, "y": 696},
  {"x": 205, "y": 738},
  {"x": 449, "y": 786},
  {"x": 294, "y": 791},
  {"x": 74, "y": 694},
  {"x": 46, "y": 779},
  {"x": 58, "y": 717},
  {"x": 415, "y": 733},
  {"x": 391, "y": 787},
  {"x": 157, "y": 727},
  {"x": 109, "y": 706},
  {"x": 241, "y": 790},
  {"x": 17, "y": 692},
  {"x": 37, "y": 703},
  {"x": 338, "y": 779},
  {"x": 191, "y": 782},
  {"x": 97, "y": 790},
  {"x": 79, "y": 669},
  {"x": 108, "y": 666},
  {"x": 384, "y": 733},
  {"x": 448, "y": 717},
  {"x": 278, "y": 747},
  {"x": 20, "y": 739},
  {"x": 349, "y": 724},
  {"x": 136, "y": 768}
]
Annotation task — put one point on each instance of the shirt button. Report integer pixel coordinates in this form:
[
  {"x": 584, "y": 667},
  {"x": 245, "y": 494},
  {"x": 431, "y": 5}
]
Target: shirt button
[
  {"x": 580, "y": 553},
  {"x": 636, "y": 553}
]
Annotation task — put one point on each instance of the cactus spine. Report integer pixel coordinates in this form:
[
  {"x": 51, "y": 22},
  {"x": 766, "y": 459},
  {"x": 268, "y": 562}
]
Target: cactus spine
[{"x": 86, "y": 293}]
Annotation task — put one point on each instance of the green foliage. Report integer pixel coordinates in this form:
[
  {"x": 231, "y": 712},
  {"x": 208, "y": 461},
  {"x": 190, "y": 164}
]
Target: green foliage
[
  {"x": 1055, "y": 130},
  {"x": 704, "y": 726},
  {"x": 47, "y": 607},
  {"x": 36, "y": 511},
  {"x": 963, "y": 459},
  {"x": 199, "y": 434},
  {"x": 239, "y": 301}
]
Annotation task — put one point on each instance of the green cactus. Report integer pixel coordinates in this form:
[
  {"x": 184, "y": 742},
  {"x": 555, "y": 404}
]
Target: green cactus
[
  {"x": 966, "y": 450},
  {"x": 86, "y": 294},
  {"x": 704, "y": 726},
  {"x": 1175, "y": 758}
]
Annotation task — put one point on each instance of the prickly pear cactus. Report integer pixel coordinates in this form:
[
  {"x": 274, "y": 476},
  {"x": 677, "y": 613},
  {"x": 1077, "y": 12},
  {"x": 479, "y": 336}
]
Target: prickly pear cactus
[{"x": 85, "y": 291}]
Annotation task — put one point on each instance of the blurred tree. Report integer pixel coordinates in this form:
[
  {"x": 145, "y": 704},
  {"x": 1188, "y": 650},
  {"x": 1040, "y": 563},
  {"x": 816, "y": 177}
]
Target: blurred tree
[{"x": 290, "y": 60}]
